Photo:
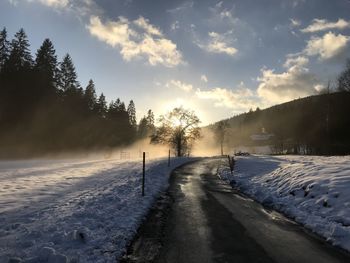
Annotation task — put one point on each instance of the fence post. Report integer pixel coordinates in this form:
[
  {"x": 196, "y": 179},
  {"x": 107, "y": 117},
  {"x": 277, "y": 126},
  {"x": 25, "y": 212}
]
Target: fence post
[
  {"x": 143, "y": 174},
  {"x": 230, "y": 163},
  {"x": 169, "y": 159}
]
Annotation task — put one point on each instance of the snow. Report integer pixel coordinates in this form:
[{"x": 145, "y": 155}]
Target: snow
[
  {"x": 313, "y": 190},
  {"x": 75, "y": 210}
]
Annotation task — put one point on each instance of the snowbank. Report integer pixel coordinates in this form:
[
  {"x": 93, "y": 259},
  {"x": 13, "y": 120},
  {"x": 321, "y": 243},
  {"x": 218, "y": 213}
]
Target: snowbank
[
  {"x": 315, "y": 191},
  {"x": 74, "y": 211}
]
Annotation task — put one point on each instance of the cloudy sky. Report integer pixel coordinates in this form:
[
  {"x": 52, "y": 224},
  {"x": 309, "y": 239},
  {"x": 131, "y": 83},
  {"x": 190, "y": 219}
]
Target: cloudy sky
[{"x": 218, "y": 58}]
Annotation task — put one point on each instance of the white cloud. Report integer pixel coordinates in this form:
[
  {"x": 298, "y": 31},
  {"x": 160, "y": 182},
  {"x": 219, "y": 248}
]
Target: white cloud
[
  {"x": 241, "y": 99},
  {"x": 294, "y": 22},
  {"x": 79, "y": 8},
  {"x": 184, "y": 6},
  {"x": 55, "y": 3},
  {"x": 133, "y": 43},
  {"x": 223, "y": 17},
  {"x": 224, "y": 31},
  {"x": 238, "y": 99},
  {"x": 241, "y": 85},
  {"x": 323, "y": 24},
  {"x": 298, "y": 61},
  {"x": 144, "y": 24},
  {"x": 113, "y": 33},
  {"x": 328, "y": 46},
  {"x": 294, "y": 83},
  {"x": 179, "y": 85},
  {"x": 218, "y": 44},
  {"x": 204, "y": 78},
  {"x": 297, "y": 81},
  {"x": 50, "y": 3}
]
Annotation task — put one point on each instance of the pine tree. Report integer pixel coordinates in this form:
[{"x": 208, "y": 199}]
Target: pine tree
[
  {"x": 150, "y": 119},
  {"x": 111, "y": 107},
  {"x": 20, "y": 56},
  {"x": 132, "y": 114},
  {"x": 90, "y": 95},
  {"x": 46, "y": 62},
  {"x": 4, "y": 48},
  {"x": 111, "y": 112},
  {"x": 142, "y": 131},
  {"x": 67, "y": 75},
  {"x": 119, "y": 105},
  {"x": 122, "y": 107},
  {"x": 150, "y": 122},
  {"x": 101, "y": 106}
]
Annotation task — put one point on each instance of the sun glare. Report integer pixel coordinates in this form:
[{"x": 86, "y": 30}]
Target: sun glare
[
  {"x": 176, "y": 122},
  {"x": 168, "y": 105}
]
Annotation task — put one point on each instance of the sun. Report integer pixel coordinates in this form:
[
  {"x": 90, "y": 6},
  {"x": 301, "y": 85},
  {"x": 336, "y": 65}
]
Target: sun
[{"x": 176, "y": 122}]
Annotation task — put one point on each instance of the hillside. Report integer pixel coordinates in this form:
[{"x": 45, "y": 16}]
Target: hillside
[{"x": 317, "y": 124}]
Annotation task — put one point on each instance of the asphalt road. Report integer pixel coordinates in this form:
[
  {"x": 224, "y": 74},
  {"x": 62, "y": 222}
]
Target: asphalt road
[{"x": 202, "y": 219}]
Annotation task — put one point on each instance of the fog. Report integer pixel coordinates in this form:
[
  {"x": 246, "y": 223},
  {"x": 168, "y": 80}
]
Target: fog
[{"x": 207, "y": 145}]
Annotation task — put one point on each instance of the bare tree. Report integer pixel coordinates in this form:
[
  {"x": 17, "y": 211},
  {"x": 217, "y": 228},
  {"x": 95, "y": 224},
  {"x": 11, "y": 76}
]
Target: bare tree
[
  {"x": 220, "y": 130},
  {"x": 179, "y": 129},
  {"x": 344, "y": 78}
]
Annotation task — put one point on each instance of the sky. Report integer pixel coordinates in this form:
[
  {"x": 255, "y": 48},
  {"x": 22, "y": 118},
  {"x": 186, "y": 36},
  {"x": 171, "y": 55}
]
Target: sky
[{"x": 218, "y": 58}]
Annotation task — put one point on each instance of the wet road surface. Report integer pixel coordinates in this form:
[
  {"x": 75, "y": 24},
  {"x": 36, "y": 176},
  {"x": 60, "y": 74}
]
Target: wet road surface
[{"x": 202, "y": 219}]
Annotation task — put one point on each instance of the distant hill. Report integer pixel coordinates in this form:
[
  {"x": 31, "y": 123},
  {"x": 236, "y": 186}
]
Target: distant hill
[{"x": 317, "y": 124}]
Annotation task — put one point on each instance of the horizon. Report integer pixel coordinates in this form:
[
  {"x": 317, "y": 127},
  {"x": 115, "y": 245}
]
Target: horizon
[{"x": 218, "y": 58}]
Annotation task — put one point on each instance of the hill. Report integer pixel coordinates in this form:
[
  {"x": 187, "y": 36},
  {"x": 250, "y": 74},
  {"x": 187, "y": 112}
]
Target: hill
[{"x": 317, "y": 124}]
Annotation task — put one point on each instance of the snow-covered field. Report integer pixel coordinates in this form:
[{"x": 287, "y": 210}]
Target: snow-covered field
[
  {"x": 315, "y": 191},
  {"x": 74, "y": 210}
]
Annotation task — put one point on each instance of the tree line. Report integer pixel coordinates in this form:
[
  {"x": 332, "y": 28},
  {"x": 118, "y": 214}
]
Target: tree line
[
  {"x": 44, "y": 108},
  {"x": 318, "y": 125}
]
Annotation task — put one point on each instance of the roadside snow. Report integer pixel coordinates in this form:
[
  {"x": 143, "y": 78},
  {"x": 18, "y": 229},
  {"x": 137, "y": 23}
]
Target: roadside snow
[
  {"x": 315, "y": 191},
  {"x": 74, "y": 211}
]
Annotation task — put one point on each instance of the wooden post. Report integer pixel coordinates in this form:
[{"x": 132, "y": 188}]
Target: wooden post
[
  {"x": 143, "y": 174},
  {"x": 169, "y": 159},
  {"x": 230, "y": 163}
]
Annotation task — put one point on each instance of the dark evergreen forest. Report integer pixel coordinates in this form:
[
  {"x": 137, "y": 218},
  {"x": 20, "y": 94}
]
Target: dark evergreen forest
[
  {"x": 318, "y": 125},
  {"x": 44, "y": 108}
]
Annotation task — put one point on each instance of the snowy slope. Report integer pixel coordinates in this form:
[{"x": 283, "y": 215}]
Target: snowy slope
[
  {"x": 315, "y": 191},
  {"x": 74, "y": 210}
]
